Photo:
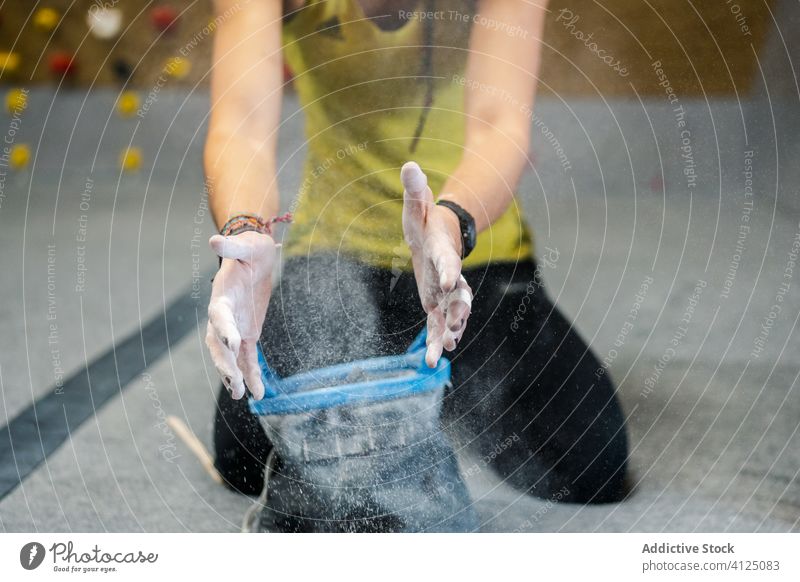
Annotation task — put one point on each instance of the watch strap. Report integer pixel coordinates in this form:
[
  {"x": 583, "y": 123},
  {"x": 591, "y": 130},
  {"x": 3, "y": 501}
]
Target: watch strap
[{"x": 466, "y": 224}]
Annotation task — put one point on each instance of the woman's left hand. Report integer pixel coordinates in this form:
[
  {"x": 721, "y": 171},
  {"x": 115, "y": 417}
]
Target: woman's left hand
[{"x": 434, "y": 237}]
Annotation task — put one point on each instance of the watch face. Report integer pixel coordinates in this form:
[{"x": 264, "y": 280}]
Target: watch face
[{"x": 470, "y": 238}]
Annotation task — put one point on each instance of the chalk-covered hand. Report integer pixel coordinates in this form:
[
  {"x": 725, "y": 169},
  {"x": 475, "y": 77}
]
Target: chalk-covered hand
[
  {"x": 433, "y": 234},
  {"x": 239, "y": 297}
]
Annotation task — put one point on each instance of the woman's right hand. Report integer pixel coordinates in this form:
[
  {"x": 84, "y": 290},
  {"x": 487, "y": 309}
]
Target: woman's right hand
[{"x": 239, "y": 297}]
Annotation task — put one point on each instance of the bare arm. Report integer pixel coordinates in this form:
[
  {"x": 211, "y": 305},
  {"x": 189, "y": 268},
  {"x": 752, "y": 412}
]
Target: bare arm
[
  {"x": 245, "y": 109},
  {"x": 500, "y": 85},
  {"x": 240, "y": 167}
]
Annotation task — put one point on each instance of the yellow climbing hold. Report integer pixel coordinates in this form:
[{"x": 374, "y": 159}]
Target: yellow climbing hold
[
  {"x": 9, "y": 63},
  {"x": 16, "y": 101},
  {"x": 19, "y": 156},
  {"x": 131, "y": 159},
  {"x": 177, "y": 67},
  {"x": 128, "y": 104},
  {"x": 46, "y": 19}
]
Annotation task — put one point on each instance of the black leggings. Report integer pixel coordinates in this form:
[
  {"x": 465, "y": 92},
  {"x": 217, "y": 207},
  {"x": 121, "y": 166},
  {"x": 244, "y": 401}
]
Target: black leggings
[{"x": 529, "y": 399}]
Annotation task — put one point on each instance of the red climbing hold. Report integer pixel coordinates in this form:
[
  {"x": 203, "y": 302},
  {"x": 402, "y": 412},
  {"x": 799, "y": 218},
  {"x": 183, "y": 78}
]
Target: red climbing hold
[
  {"x": 164, "y": 18},
  {"x": 62, "y": 64}
]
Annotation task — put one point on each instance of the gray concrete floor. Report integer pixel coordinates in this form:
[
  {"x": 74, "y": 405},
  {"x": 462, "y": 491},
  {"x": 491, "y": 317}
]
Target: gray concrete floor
[{"x": 715, "y": 443}]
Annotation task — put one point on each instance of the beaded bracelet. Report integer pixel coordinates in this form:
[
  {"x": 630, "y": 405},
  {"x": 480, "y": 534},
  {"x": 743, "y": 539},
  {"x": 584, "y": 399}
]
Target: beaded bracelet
[{"x": 251, "y": 222}]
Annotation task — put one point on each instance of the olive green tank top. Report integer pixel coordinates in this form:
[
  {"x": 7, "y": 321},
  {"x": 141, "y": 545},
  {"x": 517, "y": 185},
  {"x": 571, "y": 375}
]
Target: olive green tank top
[{"x": 362, "y": 95}]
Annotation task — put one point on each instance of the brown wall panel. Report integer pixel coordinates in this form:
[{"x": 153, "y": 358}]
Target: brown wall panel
[{"x": 704, "y": 45}]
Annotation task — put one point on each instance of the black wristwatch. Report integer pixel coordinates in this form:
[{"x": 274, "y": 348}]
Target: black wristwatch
[{"x": 467, "y": 225}]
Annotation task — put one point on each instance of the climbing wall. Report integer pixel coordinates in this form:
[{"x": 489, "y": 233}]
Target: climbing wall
[
  {"x": 708, "y": 47},
  {"x": 598, "y": 49},
  {"x": 133, "y": 41}
]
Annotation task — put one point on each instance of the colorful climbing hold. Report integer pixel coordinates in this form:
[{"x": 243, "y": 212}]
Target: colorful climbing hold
[
  {"x": 16, "y": 101},
  {"x": 9, "y": 63},
  {"x": 164, "y": 18},
  {"x": 104, "y": 23},
  {"x": 46, "y": 19},
  {"x": 19, "y": 156},
  {"x": 62, "y": 64},
  {"x": 128, "y": 104},
  {"x": 122, "y": 70},
  {"x": 131, "y": 159},
  {"x": 177, "y": 67}
]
